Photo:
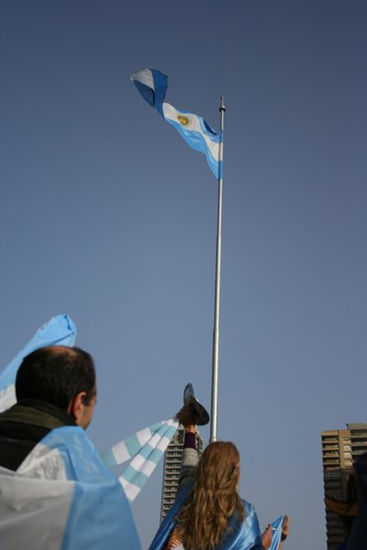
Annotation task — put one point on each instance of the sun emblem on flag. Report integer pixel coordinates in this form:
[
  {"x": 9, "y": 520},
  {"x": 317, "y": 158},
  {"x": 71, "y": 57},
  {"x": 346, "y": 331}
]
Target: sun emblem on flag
[{"x": 184, "y": 120}]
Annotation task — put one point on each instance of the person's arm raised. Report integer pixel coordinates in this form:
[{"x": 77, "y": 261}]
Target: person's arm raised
[
  {"x": 285, "y": 531},
  {"x": 190, "y": 456}
]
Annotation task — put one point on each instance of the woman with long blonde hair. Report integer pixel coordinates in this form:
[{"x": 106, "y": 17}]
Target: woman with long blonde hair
[
  {"x": 213, "y": 500},
  {"x": 208, "y": 513}
]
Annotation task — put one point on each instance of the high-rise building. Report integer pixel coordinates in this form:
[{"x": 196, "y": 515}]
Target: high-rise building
[
  {"x": 172, "y": 468},
  {"x": 340, "y": 450}
]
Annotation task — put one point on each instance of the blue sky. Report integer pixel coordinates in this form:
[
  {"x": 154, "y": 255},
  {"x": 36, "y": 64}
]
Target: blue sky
[{"x": 108, "y": 216}]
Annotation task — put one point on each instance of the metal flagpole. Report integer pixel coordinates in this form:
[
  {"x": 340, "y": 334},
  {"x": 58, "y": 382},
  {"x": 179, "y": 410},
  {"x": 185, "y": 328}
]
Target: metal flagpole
[{"x": 215, "y": 353}]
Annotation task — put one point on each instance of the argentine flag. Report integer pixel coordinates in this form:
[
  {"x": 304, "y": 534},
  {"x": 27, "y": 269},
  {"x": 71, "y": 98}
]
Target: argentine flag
[{"x": 197, "y": 133}]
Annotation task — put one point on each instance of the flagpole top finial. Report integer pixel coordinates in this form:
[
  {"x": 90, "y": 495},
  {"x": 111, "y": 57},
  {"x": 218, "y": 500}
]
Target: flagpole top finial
[{"x": 222, "y": 107}]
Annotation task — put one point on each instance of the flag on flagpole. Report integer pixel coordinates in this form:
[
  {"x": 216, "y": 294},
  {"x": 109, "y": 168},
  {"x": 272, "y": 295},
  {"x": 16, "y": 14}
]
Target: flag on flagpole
[{"x": 197, "y": 133}]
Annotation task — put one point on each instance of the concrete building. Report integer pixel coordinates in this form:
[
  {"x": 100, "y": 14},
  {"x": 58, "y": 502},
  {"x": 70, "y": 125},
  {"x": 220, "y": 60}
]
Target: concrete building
[
  {"x": 340, "y": 449},
  {"x": 172, "y": 467}
]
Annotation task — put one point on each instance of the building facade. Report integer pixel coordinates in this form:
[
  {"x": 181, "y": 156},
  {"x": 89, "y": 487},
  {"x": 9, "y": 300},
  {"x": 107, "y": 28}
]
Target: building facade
[
  {"x": 340, "y": 450},
  {"x": 172, "y": 467}
]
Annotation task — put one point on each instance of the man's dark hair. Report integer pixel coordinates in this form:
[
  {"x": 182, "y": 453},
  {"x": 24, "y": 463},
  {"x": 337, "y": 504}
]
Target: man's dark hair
[{"x": 56, "y": 374}]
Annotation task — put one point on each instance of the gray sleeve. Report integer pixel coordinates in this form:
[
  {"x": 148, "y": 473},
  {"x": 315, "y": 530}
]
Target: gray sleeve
[{"x": 189, "y": 462}]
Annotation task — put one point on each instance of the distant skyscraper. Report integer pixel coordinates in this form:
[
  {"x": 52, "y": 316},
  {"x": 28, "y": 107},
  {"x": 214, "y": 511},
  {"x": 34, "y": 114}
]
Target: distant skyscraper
[
  {"x": 172, "y": 467},
  {"x": 340, "y": 450}
]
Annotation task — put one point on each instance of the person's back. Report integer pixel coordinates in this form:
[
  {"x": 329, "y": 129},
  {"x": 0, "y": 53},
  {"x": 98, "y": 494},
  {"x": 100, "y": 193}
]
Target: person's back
[
  {"x": 208, "y": 513},
  {"x": 213, "y": 507}
]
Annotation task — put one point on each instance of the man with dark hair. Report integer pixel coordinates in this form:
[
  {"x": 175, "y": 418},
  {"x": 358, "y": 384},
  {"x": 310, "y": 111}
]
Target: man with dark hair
[
  {"x": 55, "y": 386},
  {"x": 55, "y": 490}
]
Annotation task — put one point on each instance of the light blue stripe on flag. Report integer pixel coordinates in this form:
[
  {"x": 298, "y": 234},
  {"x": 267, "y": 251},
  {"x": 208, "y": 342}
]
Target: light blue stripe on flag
[
  {"x": 196, "y": 140},
  {"x": 158, "y": 426},
  {"x": 165, "y": 429},
  {"x": 133, "y": 445},
  {"x": 109, "y": 458},
  {"x": 152, "y": 454},
  {"x": 133, "y": 476}
]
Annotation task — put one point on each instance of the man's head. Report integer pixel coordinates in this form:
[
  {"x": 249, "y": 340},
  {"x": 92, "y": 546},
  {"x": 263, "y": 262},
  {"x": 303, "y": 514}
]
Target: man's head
[{"x": 62, "y": 376}]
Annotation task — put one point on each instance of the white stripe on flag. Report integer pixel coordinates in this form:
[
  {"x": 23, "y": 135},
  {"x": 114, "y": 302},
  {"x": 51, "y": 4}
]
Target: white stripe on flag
[
  {"x": 192, "y": 124},
  {"x": 33, "y": 512},
  {"x": 131, "y": 491},
  {"x": 143, "y": 436},
  {"x": 145, "y": 77},
  {"x": 154, "y": 440},
  {"x": 143, "y": 465},
  {"x": 120, "y": 452},
  {"x": 7, "y": 398},
  {"x": 163, "y": 443},
  {"x": 173, "y": 422},
  {"x": 43, "y": 463}
]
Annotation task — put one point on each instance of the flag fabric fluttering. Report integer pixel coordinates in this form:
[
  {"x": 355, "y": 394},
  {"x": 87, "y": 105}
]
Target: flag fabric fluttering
[
  {"x": 143, "y": 450},
  {"x": 64, "y": 497},
  {"x": 58, "y": 331},
  {"x": 197, "y": 133}
]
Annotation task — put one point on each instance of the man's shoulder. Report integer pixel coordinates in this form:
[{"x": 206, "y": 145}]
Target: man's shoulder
[
  {"x": 17, "y": 438},
  {"x": 23, "y": 426},
  {"x": 71, "y": 476},
  {"x": 37, "y": 413},
  {"x": 67, "y": 453}
]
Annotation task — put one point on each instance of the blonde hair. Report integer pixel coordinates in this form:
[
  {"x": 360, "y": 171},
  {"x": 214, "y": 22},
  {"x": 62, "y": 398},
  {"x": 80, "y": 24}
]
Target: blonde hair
[{"x": 203, "y": 520}]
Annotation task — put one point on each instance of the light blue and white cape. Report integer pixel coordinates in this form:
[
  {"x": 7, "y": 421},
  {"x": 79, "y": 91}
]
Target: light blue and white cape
[
  {"x": 63, "y": 497},
  {"x": 244, "y": 535}
]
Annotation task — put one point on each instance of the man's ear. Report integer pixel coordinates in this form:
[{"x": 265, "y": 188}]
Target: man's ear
[{"x": 76, "y": 406}]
